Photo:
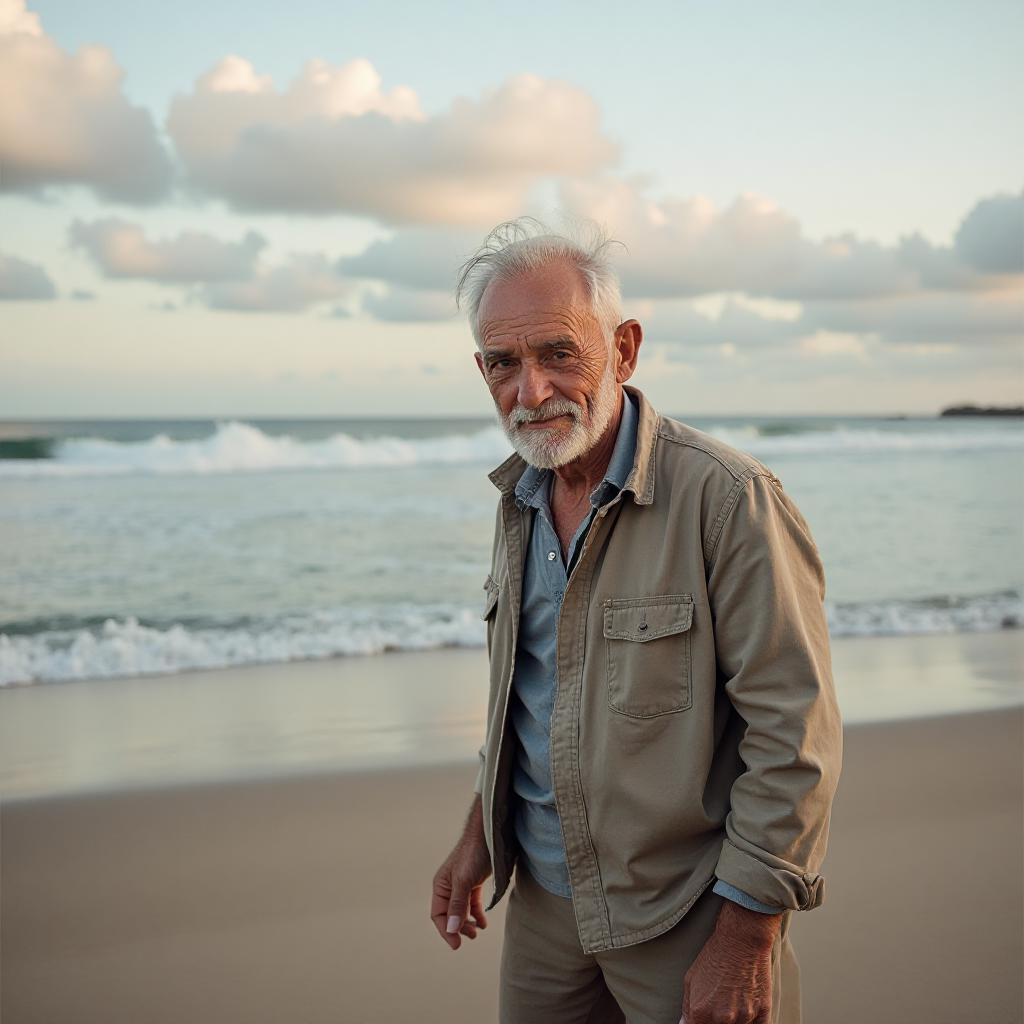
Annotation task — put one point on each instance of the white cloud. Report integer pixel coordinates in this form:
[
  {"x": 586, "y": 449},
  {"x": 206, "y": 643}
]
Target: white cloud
[
  {"x": 993, "y": 320},
  {"x": 121, "y": 249},
  {"x": 405, "y": 305},
  {"x": 335, "y": 141},
  {"x": 692, "y": 325},
  {"x": 14, "y": 18},
  {"x": 970, "y": 318},
  {"x": 65, "y": 120},
  {"x": 225, "y": 275},
  {"x": 922, "y": 349},
  {"x": 426, "y": 258},
  {"x": 991, "y": 236},
  {"x": 689, "y": 247},
  {"x": 20, "y": 279},
  {"x": 833, "y": 343},
  {"x": 770, "y": 309},
  {"x": 304, "y": 280}
]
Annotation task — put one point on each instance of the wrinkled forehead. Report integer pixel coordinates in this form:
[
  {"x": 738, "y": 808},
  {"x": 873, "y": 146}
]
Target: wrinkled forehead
[{"x": 552, "y": 299}]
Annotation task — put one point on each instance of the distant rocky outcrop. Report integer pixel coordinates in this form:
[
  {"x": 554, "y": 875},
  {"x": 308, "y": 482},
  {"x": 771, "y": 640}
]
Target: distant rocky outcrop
[{"x": 983, "y": 410}]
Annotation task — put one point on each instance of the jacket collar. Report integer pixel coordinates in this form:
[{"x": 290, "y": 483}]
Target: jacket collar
[{"x": 641, "y": 476}]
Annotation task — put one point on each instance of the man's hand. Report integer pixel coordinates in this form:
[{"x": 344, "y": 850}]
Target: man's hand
[
  {"x": 730, "y": 982},
  {"x": 457, "y": 906}
]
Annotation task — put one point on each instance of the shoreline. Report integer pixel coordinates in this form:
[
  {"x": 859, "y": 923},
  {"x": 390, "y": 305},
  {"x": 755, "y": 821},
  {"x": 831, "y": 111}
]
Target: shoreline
[
  {"x": 401, "y": 710},
  {"x": 301, "y": 774},
  {"x": 428, "y": 652}
]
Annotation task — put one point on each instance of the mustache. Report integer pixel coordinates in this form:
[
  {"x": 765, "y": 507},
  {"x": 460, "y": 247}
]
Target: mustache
[{"x": 555, "y": 407}]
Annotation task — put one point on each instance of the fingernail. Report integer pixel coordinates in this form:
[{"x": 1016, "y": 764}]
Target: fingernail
[{"x": 454, "y": 923}]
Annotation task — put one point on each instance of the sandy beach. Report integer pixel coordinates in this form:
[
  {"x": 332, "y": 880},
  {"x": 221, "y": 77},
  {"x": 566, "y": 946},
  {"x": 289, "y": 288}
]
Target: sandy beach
[{"x": 304, "y": 897}]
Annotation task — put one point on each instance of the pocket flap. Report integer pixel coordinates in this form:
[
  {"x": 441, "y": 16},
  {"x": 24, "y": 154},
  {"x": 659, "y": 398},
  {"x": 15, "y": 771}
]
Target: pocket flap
[
  {"x": 491, "y": 597},
  {"x": 647, "y": 618}
]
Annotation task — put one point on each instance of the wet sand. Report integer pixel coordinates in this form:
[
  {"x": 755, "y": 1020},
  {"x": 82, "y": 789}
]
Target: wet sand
[{"x": 401, "y": 709}]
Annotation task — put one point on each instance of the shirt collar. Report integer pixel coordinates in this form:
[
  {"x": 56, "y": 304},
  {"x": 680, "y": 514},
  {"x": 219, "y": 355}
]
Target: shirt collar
[{"x": 534, "y": 485}]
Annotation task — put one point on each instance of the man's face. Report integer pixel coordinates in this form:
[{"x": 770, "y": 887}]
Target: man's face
[{"x": 547, "y": 364}]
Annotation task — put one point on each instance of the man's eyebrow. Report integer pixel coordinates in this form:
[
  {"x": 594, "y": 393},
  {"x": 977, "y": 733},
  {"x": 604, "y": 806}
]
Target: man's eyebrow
[
  {"x": 496, "y": 353},
  {"x": 563, "y": 341}
]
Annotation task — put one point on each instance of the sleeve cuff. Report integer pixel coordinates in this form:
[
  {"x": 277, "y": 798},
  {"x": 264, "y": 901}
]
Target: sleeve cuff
[
  {"x": 774, "y": 884},
  {"x": 744, "y": 899}
]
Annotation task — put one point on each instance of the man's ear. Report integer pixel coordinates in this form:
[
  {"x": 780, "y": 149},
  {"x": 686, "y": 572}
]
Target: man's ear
[{"x": 628, "y": 336}]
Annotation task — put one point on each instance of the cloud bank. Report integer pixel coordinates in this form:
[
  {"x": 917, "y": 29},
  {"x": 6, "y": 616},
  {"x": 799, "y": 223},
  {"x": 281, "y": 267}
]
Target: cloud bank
[
  {"x": 835, "y": 291},
  {"x": 404, "y": 305},
  {"x": 689, "y": 247},
  {"x": 304, "y": 280},
  {"x": 414, "y": 258},
  {"x": 20, "y": 279},
  {"x": 335, "y": 141},
  {"x": 222, "y": 275},
  {"x": 708, "y": 282},
  {"x": 121, "y": 249},
  {"x": 991, "y": 236}
]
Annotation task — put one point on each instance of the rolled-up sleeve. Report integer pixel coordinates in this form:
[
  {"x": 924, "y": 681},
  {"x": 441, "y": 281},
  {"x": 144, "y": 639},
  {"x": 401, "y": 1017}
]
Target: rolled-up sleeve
[{"x": 766, "y": 587}]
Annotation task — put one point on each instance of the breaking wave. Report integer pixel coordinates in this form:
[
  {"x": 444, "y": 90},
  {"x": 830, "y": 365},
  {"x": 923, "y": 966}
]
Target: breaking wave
[
  {"x": 235, "y": 446},
  {"x": 64, "y": 650}
]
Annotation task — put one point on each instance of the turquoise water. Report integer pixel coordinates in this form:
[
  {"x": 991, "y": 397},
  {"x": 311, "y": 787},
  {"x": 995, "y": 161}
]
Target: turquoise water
[{"x": 134, "y": 547}]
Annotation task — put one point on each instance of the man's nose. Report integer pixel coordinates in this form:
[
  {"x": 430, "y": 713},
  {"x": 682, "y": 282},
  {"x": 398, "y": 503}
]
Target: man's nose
[{"x": 534, "y": 386}]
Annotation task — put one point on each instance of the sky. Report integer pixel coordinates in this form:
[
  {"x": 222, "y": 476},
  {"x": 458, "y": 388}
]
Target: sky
[{"x": 259, "y": 209}]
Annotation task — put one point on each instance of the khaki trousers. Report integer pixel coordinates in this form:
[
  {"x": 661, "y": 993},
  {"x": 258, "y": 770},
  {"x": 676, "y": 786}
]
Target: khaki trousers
[{"x": 546, "y": 978}]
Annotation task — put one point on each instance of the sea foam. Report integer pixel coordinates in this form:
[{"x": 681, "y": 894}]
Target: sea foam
[
  {"x": 128, "y": 647},
  {"x": 239, "y": 447}
]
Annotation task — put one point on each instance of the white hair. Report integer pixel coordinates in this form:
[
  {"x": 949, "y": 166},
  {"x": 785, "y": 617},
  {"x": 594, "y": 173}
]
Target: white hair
[{"x": 524, "y": 245}]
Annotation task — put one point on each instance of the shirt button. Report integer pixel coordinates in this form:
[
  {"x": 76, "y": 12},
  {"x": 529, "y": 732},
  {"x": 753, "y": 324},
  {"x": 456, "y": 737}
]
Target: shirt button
[{"x": 551, "y": 556}]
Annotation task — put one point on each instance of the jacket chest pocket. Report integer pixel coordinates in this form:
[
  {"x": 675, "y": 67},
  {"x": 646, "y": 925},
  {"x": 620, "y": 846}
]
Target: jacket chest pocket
[
  {"x": 647, "y": 641},
  {"x": 490, "y": 604},
  {"x": 490, "y": 597}
]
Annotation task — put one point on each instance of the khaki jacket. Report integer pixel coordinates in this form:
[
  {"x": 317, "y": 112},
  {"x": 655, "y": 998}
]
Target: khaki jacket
[{"x": 695, "y": 730}]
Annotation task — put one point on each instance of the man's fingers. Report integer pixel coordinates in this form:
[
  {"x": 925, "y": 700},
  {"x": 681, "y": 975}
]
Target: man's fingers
[
  {"x": 458, "y": 905},
  {"x": 441, "y": 924},
  {"x": 440, "y": 908},
  {"x": 476, "y": 906}
]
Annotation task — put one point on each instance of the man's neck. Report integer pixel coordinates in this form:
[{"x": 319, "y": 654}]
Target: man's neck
[{"x": 579, "y": 477}]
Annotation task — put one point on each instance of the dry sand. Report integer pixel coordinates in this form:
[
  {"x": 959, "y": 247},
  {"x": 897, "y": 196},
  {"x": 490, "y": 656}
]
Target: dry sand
[{"x": 305, "y": 899}]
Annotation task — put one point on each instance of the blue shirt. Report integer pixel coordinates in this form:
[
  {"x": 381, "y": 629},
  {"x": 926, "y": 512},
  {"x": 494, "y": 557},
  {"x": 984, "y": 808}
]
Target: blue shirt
[
  {"x": 534, "y": 680},
  {"x": 545, "y": 575}
]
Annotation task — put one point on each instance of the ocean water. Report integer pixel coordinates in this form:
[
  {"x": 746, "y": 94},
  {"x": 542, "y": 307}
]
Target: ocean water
[{"x": 146, "y": 547}]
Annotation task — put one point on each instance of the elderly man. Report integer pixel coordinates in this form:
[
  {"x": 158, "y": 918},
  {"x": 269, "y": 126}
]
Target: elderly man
[{"x": 663, "y": 740}]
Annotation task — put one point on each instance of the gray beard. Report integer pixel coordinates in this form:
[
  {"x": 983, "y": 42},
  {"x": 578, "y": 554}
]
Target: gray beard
[{"x": 543, "y": 453}]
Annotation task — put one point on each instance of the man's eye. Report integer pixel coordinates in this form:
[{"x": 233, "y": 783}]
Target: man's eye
[{"x": 560, "y": 354}]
